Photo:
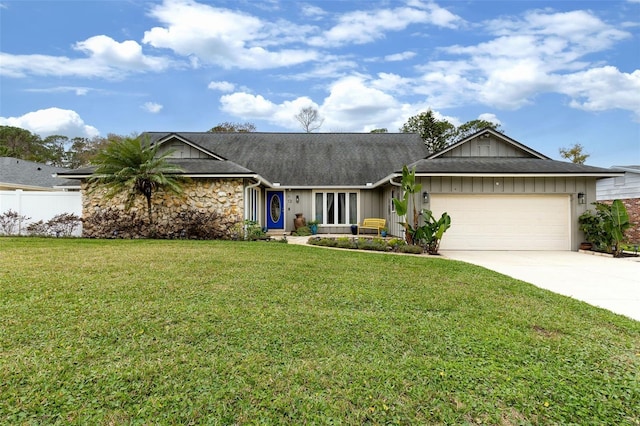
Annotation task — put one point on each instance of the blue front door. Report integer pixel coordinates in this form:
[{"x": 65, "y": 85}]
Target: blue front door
[{"x": 275, "y": 210}]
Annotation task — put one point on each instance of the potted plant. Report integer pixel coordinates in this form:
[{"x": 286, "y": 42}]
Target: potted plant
[
  {"x": 313, "y": 225},
  {"x": 383, "y": 232}
]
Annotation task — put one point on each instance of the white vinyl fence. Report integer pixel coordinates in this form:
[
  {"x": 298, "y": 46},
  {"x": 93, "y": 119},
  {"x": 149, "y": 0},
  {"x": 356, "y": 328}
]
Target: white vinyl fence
[{"x": 41, "y": 205}]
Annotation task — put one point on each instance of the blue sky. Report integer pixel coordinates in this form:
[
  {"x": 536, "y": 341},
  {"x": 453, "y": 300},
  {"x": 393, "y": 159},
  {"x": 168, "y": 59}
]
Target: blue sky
[{"x": 551, "y": 73}]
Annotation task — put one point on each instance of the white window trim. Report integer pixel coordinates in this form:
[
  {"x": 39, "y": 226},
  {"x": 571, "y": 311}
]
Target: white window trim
[{"x": 324, "y": 205}]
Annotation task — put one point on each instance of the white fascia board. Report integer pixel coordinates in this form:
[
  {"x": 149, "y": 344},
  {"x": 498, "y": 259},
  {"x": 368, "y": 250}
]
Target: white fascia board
[
  {"x": 323, "y": 187},
  {"x": 23, "y": 187},
  {"x": 230, "y": 176},
  {"x": 57, "y": 175},
  {"x": 599, "y": 175},
  {"x": 386, "y": 180}
]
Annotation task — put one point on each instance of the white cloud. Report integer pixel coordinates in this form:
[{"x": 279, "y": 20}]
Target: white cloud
[
  {"x": 312, "y": 11},
  {"x": 256, "y": 107},
  {"x": 604, "y": 88},
  {"x": 152, "y": 107},
  {"x": 492, "y": 118},
  {"x": 536, "y": 53},
  {"x": 222, "y": 86},
  {"x": 362, "y": 26},
  {"x": 79, "y": 91},
  {"x": 52, "y": 121},
  {"x": 226, "y": 38},
  {"x": 105, "y": 58},
  {"x": 354, "y": 104},
  {"x": 400, "y": 56}
]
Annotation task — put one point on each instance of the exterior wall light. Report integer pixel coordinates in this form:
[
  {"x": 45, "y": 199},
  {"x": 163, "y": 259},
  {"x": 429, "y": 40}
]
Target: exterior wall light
[
  {"x": 581, "y": 198},
  {"x": 425, "y": 197}
]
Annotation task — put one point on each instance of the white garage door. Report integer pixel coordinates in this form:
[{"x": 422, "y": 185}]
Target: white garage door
[{"x": 505, "y": 222}]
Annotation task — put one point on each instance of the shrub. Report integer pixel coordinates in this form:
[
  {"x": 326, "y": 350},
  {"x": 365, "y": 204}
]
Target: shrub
[
  {"x": 10, "y": 222},
  {"x": 64, "y": 224},
  {"x": 249, "y": 230},
  {"x": 198, "y": 225},
  {"x": 39, "y": 229},
  {"x": 114, "y": 223},
  {"x": 303, "y": 231},
  {"x": 346, "y": 242},
  {"x": 605, "y": 228},
  {"x": 410, "y": 249}
]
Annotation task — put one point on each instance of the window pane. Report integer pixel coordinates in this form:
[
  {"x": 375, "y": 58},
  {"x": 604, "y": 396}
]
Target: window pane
[
  {"x": 331, "y": 211},
  {"x": 353, "y": 207},
  {"x": 342, "y": 213},
  {"x": 319, "y": 207}
]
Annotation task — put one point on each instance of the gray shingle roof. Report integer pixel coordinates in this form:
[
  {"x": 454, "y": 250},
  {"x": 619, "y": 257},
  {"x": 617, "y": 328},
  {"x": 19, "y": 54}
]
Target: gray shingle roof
[
  {"x": 340, "y": 159},
  {"x": 489, "y": 165},
  {"x": 18, "y": 172},
  {"x": 313, "y": 159}
]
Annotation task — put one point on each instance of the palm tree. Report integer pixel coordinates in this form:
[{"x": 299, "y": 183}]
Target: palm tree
[{"x": 133, "y": 166}]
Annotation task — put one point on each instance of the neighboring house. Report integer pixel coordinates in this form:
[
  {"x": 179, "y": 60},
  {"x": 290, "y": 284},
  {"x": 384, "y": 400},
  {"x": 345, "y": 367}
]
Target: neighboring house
[
  {"x": 627, "y": 189},
  {"x": 16, "y": 173},
  {"x": 31, "y": 190},
  {"x": 501, "y": 195}
]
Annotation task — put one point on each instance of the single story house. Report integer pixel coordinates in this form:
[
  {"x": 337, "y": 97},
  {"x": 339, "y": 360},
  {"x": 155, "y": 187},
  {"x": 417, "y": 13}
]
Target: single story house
[
  {"x": 627, "y": 189},
  {"x": 500, "y": 194}
]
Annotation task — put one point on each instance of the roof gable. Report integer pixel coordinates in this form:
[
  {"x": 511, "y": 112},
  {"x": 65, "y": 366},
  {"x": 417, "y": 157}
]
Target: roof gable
[
  {"x": 488, "y": 143},
  {"x": 183, "y": 148}
]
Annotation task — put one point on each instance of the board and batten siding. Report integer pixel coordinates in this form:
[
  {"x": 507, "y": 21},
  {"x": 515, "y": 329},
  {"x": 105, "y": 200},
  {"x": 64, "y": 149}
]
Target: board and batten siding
[
  {"x": 181, "y": 150},
  {"x": 570, "y": 186},
  {"x": 485, "y": 147},
  {"x": 506, "y": 185}
]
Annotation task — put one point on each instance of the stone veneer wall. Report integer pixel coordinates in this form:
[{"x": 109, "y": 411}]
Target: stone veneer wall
[
  {"x": 215, "y": 198},
  {"x": 633, "y": 209}
]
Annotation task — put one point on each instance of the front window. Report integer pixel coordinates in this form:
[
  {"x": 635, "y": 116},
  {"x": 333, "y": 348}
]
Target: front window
[{"x": 336, "y": 207}]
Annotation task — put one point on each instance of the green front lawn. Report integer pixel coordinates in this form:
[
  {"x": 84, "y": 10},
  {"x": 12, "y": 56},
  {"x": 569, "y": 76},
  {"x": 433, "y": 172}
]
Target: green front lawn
[{"x": 193, "y": 332}]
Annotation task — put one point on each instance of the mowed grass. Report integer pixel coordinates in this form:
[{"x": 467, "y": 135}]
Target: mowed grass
[{"x": 189, "y": 332}]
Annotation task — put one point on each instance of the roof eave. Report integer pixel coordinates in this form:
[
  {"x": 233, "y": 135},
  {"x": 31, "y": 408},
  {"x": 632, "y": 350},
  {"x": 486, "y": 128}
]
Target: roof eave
[{"x": 524, "y": 174}]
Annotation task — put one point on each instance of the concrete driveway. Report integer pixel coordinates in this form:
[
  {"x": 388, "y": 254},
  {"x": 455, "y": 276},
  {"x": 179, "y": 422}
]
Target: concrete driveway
[{"x": 613, "y": 284}]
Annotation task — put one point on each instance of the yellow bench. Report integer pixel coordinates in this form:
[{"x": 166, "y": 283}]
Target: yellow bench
[{"x": 372, "y": 223}]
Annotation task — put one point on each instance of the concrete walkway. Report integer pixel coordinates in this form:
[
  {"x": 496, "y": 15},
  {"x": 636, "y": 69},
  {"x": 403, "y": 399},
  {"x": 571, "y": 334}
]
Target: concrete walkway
[{"x": 613, "y": 284}]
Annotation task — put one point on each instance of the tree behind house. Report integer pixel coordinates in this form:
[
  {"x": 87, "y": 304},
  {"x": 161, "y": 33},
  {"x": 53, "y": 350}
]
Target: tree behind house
[
  {"x": 309, "y": 119},
  {"x": 574, "y": 154},
  {"x": 228, "y": 127},
  {"x": 132, "y": 167},
  {"x": 437, "y": 134}
]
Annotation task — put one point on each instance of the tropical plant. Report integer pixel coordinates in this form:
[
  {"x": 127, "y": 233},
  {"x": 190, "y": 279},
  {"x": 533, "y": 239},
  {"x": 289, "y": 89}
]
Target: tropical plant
[
  {"x": 605, "y": 228},
  {"x": 432, "y": 231},
  {"x": 134, "y": 167},
  {"x": 408, "y": 205}
]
